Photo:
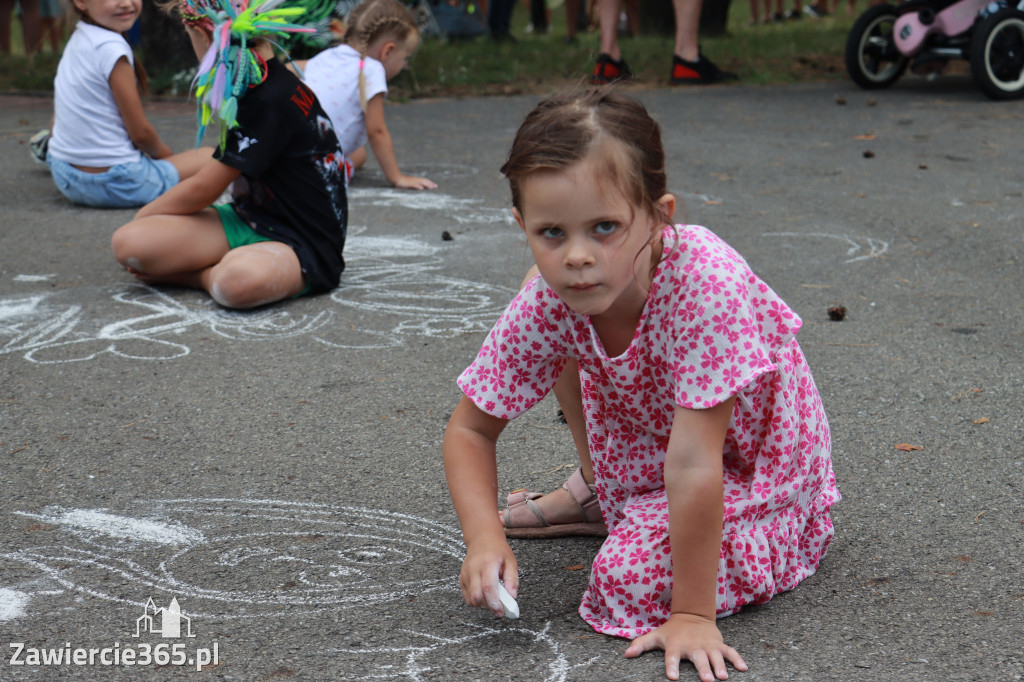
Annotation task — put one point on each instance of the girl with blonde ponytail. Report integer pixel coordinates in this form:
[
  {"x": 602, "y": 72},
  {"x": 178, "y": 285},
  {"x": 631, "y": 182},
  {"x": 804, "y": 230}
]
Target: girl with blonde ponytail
[{"x": 350, "y": 80}]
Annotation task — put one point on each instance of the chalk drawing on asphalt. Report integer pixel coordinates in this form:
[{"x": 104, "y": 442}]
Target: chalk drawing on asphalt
[
  {"x": 401, "y": 280},
  {"x": 270, "y": 557},
  {"x": 396, "y": 285},
  {"x": 857, "y": 248},
  {"x": 226, "y": 558},
  {"x": 148, "y": 325},
  {"x": 466, "y": 211},
  {"x": 431, "y": 653}
]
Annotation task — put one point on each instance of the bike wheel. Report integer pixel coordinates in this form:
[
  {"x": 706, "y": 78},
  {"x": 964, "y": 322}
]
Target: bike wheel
[
  {"x": 872, "y": 59},
  {"x": 997, "y": 54}
]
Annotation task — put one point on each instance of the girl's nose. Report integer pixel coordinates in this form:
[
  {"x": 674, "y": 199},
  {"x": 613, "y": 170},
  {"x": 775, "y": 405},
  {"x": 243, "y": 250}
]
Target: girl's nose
[{"x": 578, "y": 256}]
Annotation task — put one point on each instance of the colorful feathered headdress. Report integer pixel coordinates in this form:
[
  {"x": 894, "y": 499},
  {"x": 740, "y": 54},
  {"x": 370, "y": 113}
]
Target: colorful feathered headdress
[{"x": 230, "y": 67}]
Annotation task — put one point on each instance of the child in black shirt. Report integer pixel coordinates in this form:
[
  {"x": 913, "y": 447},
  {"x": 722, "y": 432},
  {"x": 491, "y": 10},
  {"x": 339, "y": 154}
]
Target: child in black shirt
[{"x": 283, "y": 232}]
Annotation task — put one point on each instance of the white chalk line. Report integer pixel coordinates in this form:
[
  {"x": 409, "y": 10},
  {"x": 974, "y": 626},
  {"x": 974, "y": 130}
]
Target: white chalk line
[
  {"x": 875, "y": 247},
  {"x": 409, "y": 661},
  {"x": 12, "y": 604},
  {"x": 133, "y": 529}
]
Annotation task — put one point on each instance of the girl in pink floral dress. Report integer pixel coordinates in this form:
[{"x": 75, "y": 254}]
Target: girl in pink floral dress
[{"x": 701, "y": 433}]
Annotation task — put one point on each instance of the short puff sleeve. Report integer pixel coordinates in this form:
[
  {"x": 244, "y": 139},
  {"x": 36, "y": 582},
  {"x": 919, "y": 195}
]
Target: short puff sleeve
[
  {"x": 523, "y": 355},
  {"x": 731, "y": 324}
]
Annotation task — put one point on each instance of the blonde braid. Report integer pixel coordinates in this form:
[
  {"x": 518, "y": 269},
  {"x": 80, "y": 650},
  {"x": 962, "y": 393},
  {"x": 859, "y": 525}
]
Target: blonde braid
[{"x": 371, "y": 20}]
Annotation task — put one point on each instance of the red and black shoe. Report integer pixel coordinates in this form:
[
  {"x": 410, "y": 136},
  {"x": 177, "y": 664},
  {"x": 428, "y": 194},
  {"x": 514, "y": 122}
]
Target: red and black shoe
[
  {"x": 608, "y": 70},
  {"x": 701, "y": 72}
]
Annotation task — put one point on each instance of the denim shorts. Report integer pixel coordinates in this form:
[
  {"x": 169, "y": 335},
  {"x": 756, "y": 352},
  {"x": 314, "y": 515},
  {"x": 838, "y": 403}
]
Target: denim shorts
[{"x": 122, "y": 186}]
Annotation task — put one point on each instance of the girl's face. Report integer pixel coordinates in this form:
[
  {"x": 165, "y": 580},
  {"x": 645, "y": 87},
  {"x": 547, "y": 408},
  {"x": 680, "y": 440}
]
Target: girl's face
[
  {"x": 592, "y": 247},
  {"x": 114, "y": 15},
  {"x": 395, "y": 55}
]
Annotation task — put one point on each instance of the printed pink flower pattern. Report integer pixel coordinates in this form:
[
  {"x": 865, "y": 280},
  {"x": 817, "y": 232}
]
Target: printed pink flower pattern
[{"x": 711, "y": 329}]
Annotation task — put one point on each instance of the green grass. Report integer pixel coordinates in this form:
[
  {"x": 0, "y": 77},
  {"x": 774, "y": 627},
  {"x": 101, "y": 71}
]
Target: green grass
[{"x": 795, "y": 51}]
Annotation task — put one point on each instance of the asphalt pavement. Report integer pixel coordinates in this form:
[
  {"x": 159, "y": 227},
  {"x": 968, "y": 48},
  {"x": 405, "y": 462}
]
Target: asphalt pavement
[{"x": 272, "y": 480}]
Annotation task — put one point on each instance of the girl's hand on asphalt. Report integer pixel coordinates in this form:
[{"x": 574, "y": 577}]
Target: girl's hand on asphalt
[
  {"x": 486, "y": 561},
  {"x": 692, "y": 637},
  {"x": 413, "y": 182}
]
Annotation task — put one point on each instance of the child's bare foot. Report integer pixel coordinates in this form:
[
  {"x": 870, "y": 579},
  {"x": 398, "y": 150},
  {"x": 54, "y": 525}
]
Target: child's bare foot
[
  {"x": 573, "y": 509},
  {"x": 141, "y": 276},
  {"x": 183, "y": 279}
]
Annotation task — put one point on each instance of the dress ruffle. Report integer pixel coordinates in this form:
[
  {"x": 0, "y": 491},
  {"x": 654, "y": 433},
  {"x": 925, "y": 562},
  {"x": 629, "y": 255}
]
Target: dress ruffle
[{"x": 630, "y": 593}]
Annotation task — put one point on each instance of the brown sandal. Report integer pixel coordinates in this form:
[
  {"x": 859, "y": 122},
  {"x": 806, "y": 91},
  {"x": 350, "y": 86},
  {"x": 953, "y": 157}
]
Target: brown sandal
[{"x": 524, "y": 519}]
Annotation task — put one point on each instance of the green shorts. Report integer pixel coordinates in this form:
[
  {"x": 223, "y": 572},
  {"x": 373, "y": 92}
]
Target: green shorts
[{"x": 239, "y": 233}]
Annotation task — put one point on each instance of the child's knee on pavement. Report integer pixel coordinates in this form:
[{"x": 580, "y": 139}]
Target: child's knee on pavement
[
  {"x": 255, "y": 275},
  {"x": 128, "y": 247}
]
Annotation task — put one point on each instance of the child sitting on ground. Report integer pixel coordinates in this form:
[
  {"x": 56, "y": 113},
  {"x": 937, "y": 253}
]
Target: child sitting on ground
[
  {"x": 701, "y": 435},
  {"x": 102, "y": 150},
  {"x": 350, "y": 80},
  {"x": 283, "y": 232}
]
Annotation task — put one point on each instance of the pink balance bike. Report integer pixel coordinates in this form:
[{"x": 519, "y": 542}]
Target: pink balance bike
[{"x": 926, "y": 34}]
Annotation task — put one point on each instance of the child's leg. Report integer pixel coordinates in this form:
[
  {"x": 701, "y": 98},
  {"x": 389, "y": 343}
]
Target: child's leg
[
  {"x": 48, "y": 31},
  {"x": 570, "y": 400},
  {"x": 30, "y": 23},
  {"x": 171, "y": 249},
  {"x": 255, "y": 275},
  {"x": 559, "y": 506},
  {"x": 358, "y": 158},
  {"x": 189, "y": 162},
  {"x": 193, "y": 251},
  {"x": 6, "y": 12}
]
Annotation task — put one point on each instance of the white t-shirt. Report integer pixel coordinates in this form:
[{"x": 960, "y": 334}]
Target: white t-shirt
[
  {"x": 333, "y": 75},
  {"x": 88, "y": 129}
]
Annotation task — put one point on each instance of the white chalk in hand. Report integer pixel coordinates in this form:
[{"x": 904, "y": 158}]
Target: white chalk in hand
[{"x": 507, "y": 602}]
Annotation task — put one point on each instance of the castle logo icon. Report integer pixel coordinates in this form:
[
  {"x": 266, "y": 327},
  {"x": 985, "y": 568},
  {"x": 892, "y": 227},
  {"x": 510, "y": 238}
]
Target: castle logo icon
[{"x": 166, "y": 622}]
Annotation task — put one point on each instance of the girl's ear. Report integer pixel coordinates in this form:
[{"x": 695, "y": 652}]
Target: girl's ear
[
  {"x": 386, "y": 50},
  {"x": 519, "y": 218},
  {"x": 667, "y": 206}
]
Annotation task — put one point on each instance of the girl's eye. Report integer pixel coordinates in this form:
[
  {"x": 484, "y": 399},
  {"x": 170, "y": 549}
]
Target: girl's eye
[
  {"x": 605, "y": 228},
  {"x": 552, "y": 233}
]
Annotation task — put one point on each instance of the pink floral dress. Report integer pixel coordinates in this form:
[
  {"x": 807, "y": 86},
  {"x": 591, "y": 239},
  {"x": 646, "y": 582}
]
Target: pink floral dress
[{"x": 710, "y": 329}]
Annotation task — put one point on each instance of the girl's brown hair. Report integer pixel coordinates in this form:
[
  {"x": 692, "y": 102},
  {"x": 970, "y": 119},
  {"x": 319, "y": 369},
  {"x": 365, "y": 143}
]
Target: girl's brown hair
[
  {"x": 371, "y": 20},
  {"x": 564, "y": 129}
]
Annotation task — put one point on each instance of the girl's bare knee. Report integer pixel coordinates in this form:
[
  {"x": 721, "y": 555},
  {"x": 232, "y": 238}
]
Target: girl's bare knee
[
  {"x": 232, "y": 287},
  {"x": 241, "y": 288},
  {"x": 127, "y": 246}
]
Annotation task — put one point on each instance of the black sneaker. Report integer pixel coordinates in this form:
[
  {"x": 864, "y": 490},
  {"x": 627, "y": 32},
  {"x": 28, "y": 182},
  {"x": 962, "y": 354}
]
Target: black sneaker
[
  {"x": 701, "y": 72},
  {"x": 608, "y": 70}
]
